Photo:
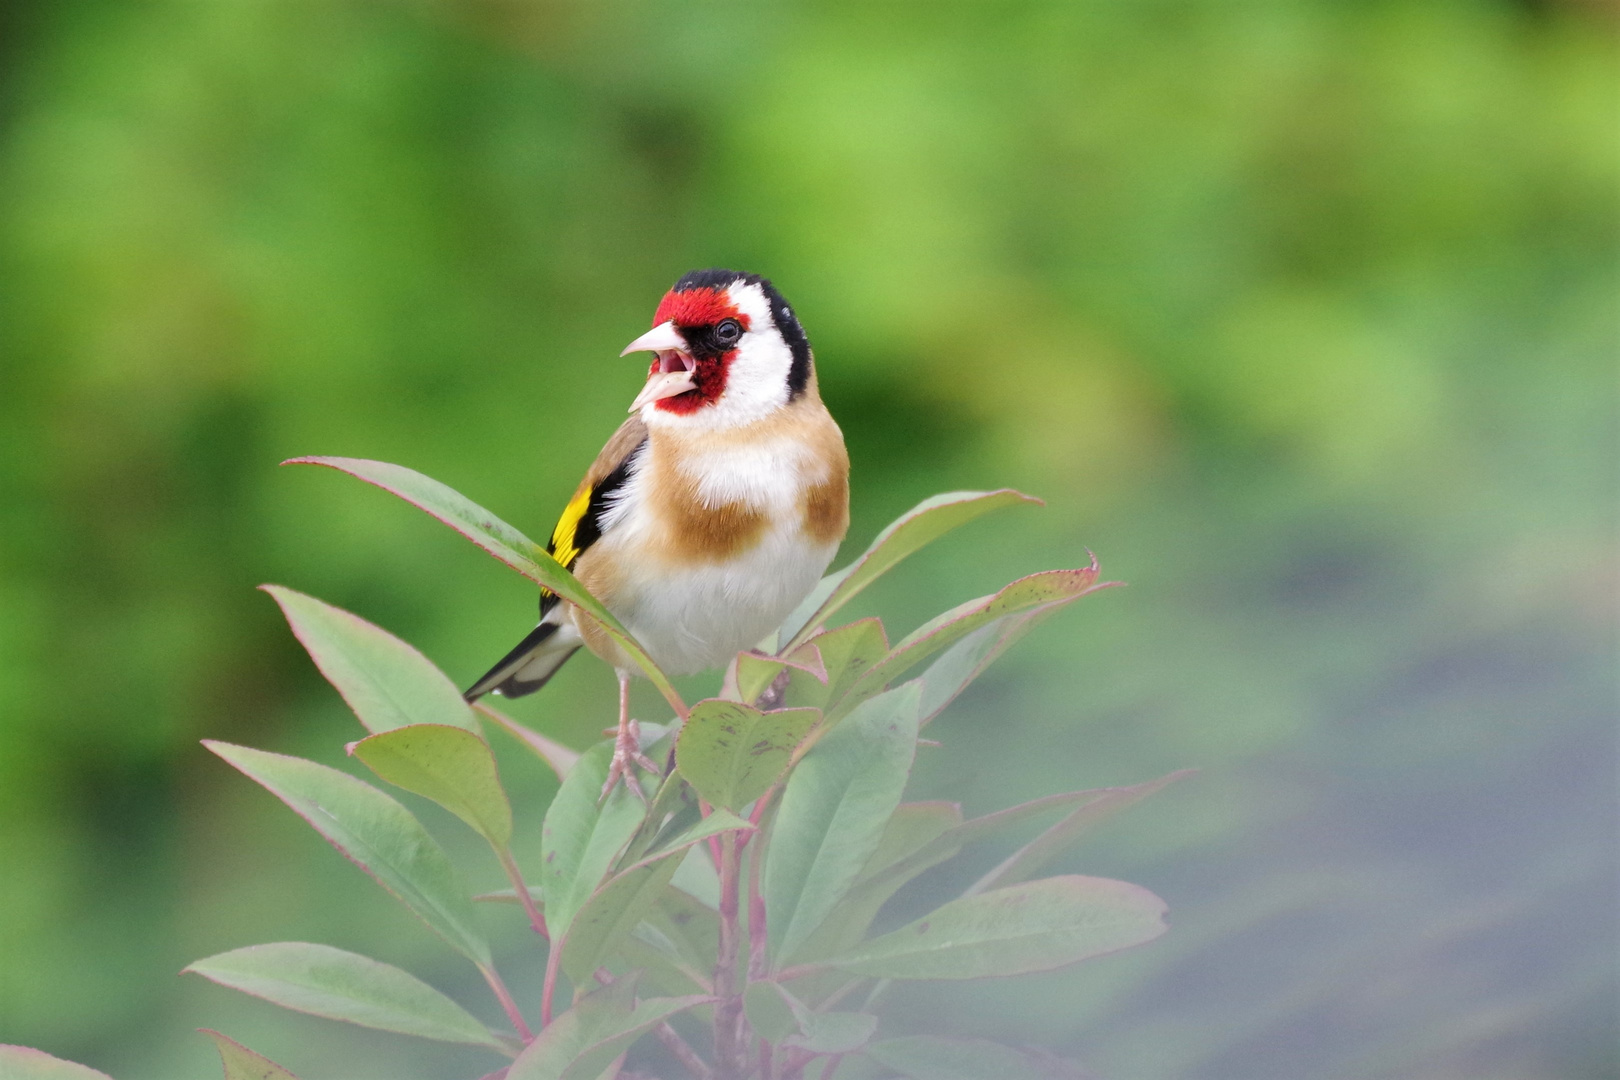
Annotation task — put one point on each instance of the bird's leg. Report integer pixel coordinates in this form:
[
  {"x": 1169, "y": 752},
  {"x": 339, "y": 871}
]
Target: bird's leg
[{"x": 627, "y": 747}]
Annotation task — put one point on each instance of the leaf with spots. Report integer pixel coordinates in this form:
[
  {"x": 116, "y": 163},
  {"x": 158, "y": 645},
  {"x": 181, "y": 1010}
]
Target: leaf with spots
[{"x": 731, "y": 753}]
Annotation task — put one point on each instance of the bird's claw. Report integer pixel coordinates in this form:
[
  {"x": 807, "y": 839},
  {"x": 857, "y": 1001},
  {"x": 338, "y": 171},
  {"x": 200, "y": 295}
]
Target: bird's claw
[{"x": 626, "y": 756}]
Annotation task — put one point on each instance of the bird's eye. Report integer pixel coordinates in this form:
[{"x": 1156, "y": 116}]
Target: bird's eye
[{"x": 728, "y": 331}]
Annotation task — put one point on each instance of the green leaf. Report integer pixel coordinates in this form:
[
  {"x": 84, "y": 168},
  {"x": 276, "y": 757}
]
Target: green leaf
[
  {"x": 755, "y": 673},
  {"x": 833, "y": 1033},
  {"x": 502, "y": 541},
  {"x": 966, "y": 660},
  {"x": 1050, "y": 589},
  {"x": 624, "y": 899},
  {"x": 846, "y": 654},
  {"x": 1023, "y": 864},
  {"x": 25, "y": 1063},
  {"x": 559, "y": 757},
  {"x": 673, "y": 810},
  {"x": 779, "y": 1017},
  {"x": 582, "y": 835},
  {"x": 339, "y": 985},
  {"x": 377, "y": 834},
  {"x": 241, "y": 1063},
  {"x": 919, "y": 526},
  {"x": 451, "y": 766},
  {"x": 833, "y": 812},
  {"x": 689, "y": 925},
  {"x": 699, "y": 879},
  {"x": 1033, "y": 926},
  {"x": 659, "y": 960},
  {"x": 386, "y": 682},
  {"x": 1091, "y": 806},
  {"x": 913, "y": 828},
  {"x": 768, "y": 1012},
  {"x": 583, "y": 1041},
  {"x": 731, "y": 753}
]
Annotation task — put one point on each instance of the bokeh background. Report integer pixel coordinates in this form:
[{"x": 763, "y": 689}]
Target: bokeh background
[{"x": 1301, "y": 314}]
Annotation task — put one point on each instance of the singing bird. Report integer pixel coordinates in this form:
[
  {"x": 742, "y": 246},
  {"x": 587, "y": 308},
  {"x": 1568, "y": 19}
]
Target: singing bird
[{"x": 712, "y": 511}]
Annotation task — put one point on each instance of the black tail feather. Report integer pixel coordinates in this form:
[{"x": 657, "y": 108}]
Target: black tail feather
[{"x": 510, "y": 675}]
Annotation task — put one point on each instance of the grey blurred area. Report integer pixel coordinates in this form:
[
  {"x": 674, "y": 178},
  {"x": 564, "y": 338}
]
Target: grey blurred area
[{"x": 1301, "y": 315}]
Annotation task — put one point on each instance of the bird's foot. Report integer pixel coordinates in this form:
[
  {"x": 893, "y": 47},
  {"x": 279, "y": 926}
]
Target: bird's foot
[{"x": 626, "y": 756}]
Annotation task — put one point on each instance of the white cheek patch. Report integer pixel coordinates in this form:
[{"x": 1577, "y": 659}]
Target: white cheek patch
[{"x": 756, "y": 381}]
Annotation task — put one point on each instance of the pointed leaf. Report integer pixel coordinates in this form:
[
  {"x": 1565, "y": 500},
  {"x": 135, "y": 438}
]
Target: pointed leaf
[
  {"x": 386, "y": 682},
  {"x": 966, "y": 660},
  {"x": 833, "y": 1033},
  {"x": 1033, "y": 926},
  {"x": 502, "y": 541},
  {"x": 1098, "y": 803},
  {"x": 553, "y": 753},
  {"x": 846, "y": 654},
  {"x": 912, "y": 826},
  {"x": 768, "y": 1011},
  {"x": 625, "y": 898},
  {"x": 732, "y": 753},
  {"x": 244, "y": 1064},
  {"x": 451, "y": 766},
  {"x": 688, "y": 923},
  {"x": 1049, "y": 589},
  {"x": 377, "y": 834},
  {"x": 833, "y": 812},
  {"x": 582, "y": 835},
  {"x": 659, "y": 960},
  {"x": 26, "y": 1063},
  {"x": 779, "y": 1017},
  {"x": 1024, "y": 863},
  {"x": 583, "y": 1041},
  {"x": 339, "y": 985},
  {"x": 673, "y": 810},
  {"x": 898, "y": 859},
  {"x": 919, "y": 526},
  {"x": 755, "y": 673},
  {"x": 930, "y": 1057}
]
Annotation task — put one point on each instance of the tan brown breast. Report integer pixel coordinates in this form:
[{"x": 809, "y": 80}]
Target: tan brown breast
[{"x": 700, "y": 531}]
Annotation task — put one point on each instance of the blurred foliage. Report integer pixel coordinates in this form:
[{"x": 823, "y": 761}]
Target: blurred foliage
[{"x": 1301, "y": 314}]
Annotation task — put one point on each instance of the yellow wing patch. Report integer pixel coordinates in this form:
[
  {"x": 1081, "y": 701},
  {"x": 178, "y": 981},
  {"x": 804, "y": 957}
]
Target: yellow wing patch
[{"x": 562, "y": 537}]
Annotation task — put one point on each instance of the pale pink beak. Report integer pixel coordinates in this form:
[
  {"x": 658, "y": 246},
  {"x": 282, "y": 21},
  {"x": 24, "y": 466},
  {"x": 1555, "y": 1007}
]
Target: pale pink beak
[{"x": 675, "y": 364}]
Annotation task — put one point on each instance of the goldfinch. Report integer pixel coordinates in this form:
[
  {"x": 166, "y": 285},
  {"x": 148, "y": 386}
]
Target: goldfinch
[{"x": 711, "y": 513}]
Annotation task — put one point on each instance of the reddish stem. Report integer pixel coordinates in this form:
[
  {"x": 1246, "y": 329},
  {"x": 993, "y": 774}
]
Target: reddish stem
[
  {"x": 537, "y": 921},
  {"x": 549, "y": 990},
  {"x": 504, "y": 996},
  {"x": 727, "y": 1061}
]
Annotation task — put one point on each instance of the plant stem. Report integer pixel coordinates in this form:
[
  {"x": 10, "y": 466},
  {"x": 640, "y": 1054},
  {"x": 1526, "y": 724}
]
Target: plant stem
[
  {"x": 553, "y": 963},
  {"x": 757, "y": 937},
  {"x": 682, "y": 1052},
  {"x": 504, "y": 996},
  {"x": 729, "y": 1008},
  {"x": 537, "y": 921}
]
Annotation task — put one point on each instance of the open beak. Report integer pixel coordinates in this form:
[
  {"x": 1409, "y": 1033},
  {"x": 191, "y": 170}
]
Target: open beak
[{"x": 675, "y": 365}]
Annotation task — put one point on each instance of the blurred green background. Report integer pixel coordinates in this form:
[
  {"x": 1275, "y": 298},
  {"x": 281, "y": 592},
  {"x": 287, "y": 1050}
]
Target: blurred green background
[{"x": 1300, "y": 314}]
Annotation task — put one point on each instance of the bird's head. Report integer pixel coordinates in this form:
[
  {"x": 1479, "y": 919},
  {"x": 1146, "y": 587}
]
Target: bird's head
[{"x": 727, "y": 350}]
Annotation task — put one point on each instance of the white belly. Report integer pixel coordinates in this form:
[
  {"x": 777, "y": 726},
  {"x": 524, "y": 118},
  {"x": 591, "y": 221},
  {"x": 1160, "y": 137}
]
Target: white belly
[
  {"x": 691, "y": 616},
  {"x": 698, "y": 617}
]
